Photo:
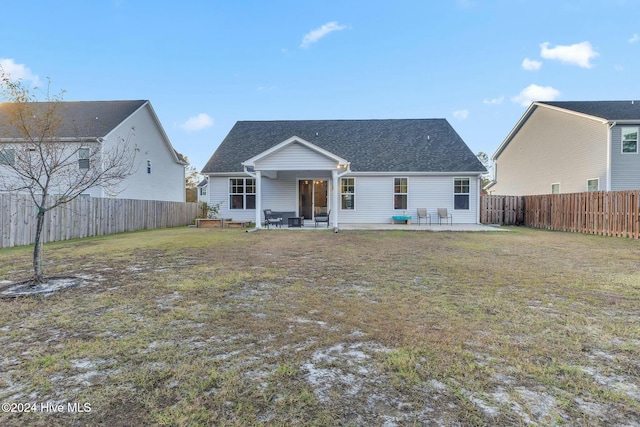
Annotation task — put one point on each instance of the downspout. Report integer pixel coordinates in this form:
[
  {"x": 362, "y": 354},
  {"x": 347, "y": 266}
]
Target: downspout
[
  {"x": 258, "y": 177},
  {"x": 336, "y": 186},
  {"x": 609, "y": 142}
]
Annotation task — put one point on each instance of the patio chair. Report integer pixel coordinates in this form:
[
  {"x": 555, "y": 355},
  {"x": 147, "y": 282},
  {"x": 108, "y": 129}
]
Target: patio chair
[
  {"x": 322, "y": 217},
  {"x": 443, "y": 214},
  {"x": 422, "y": 214},
  {"x": 271, "y": 218}
]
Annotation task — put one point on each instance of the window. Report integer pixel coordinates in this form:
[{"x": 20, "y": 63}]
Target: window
[
  {"x": 629, "y": 139},
  {"x": 149, "y": 166},
  {"x": 203, "y": 190},
  {"x": 242, "y": 193},
  {"x": 8, "y": 156},
  {"x": 83, "y": 158},
  {"x": 400, "y": 193},
  {"x": 348, "y": 193},
  {"x": 461, "y": 193},
  {"x": 593, "y": 184},
  {"x": 555, "y": 188}
]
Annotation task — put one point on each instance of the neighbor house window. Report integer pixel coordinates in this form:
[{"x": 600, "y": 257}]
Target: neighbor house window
[
  {"x": 461, "y": 193},
  {"x": 203, "y": 190},
  {"x": 629, "y": 139},
  {"x": 400, "y": 193},
  {"x": 148, "y": 166},
  {"x": 593, "y": 184},
  {"x": 242, "y": 193},
  {"x": 348, "y": 193},
  {"x": 8, "y": 156},
  {"x": 83, "y": 158},
  {"x": 555, "y": 188}
]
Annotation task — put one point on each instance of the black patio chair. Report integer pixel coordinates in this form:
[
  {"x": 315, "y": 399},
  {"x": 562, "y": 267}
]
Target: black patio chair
[
  {"x": 322, "y": 217},
  {"x": 272, "y": 218}
]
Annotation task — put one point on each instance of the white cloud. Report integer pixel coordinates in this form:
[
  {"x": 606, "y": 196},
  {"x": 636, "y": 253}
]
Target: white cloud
[
  {"x": 578, "y": 54},
  {"x": 494, "y": 101},
  {"x": 320, "y": 32},
  {"x": 635, "y": 38},
  {"x": 536, "y": 93},
  {"x": 461, "y": 114},
  {"x": 18, "y": 71},
  {"x": 199, "y": 122},
  {"x": 531, "y": 64}
]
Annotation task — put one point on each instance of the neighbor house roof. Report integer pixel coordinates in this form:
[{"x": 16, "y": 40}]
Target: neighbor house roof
[
  {"x": 394, "y": 145},
  {"x": 608, "y": 110},
  {"x": 79, "y": 119},
  {"x": 86, "y": 119}
]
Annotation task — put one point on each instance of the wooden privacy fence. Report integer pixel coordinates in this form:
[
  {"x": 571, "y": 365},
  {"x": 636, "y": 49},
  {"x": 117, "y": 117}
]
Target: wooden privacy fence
[
  {"x": 605, "y": 213},
  {"x": 503, "y": 210},
  {"x": 85, "y": 217}
]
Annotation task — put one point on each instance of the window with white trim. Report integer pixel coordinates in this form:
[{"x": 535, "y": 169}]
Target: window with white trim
[
  {"x": 203, "y": 190},
  {"x": 242, "y": 193},
  {"x": 461, "y": 193},
  {"x": 593, "y": 184},
  {"x": 629, "y": 139},
  {"x": 555, "y": 188},
  {"x": 348, "y": 193},
  {"x": 8, "y": 156},
  {"x": 400, "y": 191},
  {"x": 83, "y": 157}
]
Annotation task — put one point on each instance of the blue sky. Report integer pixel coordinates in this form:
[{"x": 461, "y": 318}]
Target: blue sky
[{"x": 206, "y": 64}]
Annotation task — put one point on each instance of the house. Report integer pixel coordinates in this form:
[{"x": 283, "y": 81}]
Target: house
[
  {"x": 360, "y": 171},
  {"x": 159, "y": 169},
  {"x": 570, "y": 147},
  {"x": 202, "y": 190}
]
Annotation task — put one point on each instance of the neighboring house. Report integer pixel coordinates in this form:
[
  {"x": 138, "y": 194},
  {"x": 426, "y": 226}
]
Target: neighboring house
[
  {"x": 202, "y": 190},
  {"x": 160, "y": 170},
  {"x": 570, "y": 147},
  {"x": 362, "y": 171}
]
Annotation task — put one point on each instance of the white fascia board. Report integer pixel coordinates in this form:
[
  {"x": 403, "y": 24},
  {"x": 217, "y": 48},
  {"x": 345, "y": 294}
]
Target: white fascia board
[
  {"x": 400, "y": 173},
  {"x": 251, "y": 162}
]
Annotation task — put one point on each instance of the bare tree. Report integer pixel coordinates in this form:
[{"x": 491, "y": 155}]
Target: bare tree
[
  {"x": 486, "y": 162},
  {"x": 36, "y": 158}
]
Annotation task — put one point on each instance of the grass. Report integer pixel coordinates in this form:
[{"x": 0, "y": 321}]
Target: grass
[{"x": 221, "y": 327}]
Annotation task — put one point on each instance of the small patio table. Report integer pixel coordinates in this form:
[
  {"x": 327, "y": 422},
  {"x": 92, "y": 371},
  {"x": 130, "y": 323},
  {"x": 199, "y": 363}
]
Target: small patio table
[{"x": 295, "y": 221}]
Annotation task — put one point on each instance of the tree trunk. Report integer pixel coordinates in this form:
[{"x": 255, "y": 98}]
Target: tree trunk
[{"x": 37, "y": 249}]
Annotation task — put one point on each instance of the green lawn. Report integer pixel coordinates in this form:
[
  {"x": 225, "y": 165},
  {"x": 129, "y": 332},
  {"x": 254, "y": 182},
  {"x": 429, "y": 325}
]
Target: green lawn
[{"x": 221, "y": 327}]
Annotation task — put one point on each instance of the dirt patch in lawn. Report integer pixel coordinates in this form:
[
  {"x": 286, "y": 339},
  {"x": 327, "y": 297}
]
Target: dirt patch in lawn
[{"x": 221, "y": 327}]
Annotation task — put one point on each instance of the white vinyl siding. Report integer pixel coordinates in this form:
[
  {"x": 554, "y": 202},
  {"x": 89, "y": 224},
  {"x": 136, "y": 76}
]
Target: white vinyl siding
[
  {"x": 295, "y": 156},
  {"x": 553, "y": 146}
]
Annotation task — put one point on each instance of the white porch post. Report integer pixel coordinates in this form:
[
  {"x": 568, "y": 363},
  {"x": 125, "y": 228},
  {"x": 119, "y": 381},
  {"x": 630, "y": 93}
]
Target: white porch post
[
  {"x": 336, "y": 189},
  {"x": 258, "y": 199}
]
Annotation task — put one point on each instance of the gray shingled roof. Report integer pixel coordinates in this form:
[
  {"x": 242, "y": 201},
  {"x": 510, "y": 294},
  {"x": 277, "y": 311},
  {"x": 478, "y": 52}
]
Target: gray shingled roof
[
  {"x": 81, "y": 119},
  {"x": 406, "y": 145},
  {"x": 608, "y": 110}
]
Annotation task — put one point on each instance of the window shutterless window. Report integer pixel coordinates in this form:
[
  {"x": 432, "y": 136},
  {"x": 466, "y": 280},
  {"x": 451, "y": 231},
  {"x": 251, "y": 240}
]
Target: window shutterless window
[
  {"x": 242, "y": 193},
  {"x": 83, "y": 158},
  {"x": 461, "y": 193},
  {"x": 629, "y": 139},
  {"x": 400, "y": 189},
  {"x": 555, "y": 188},
  {"x": 8, "y": 156},
  {"x": 593, "y": 184},
  {"x": 348, "y": 193}
]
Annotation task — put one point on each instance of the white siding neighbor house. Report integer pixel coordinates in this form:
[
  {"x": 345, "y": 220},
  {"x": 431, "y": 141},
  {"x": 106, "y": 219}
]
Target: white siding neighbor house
[
  {"x": 159, "y": 169},
  {"x": 358, "y": 171},
  {"x": 570, "y": 147}
]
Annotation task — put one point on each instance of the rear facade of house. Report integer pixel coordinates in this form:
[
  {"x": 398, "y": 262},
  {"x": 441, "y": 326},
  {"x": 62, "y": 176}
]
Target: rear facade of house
[{"x": 360, "y": 171}]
